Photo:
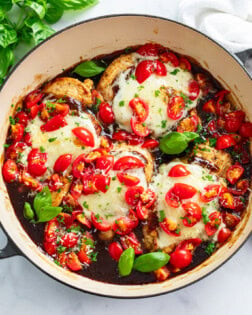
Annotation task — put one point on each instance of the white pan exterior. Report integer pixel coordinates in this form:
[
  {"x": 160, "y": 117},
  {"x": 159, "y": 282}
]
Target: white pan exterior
[{"x": 102, "y": 36}]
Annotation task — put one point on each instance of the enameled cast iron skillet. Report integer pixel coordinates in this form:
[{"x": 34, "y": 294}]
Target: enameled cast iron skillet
[{"x": 102, "y": 36}]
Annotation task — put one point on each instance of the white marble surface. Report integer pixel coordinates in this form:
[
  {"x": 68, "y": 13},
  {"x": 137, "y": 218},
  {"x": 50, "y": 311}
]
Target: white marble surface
[{"x": 25, "y": 290}]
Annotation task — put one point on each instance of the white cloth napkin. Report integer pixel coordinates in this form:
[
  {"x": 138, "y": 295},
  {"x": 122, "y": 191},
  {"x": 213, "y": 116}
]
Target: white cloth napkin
[{"x": 227, "y": 21}]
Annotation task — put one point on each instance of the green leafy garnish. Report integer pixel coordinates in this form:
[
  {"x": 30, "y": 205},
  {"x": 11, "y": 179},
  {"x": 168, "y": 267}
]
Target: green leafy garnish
[
  {"x": 88, "y": 69},
  {"x": 161, "y": 216},
  {"x": 151, "y": 261},
  {"x": 210, "y": 249},
  {"x": 28, "y": 212},
  {"x": 126, "y": 261},
  {"x": 175, "y": 71}
]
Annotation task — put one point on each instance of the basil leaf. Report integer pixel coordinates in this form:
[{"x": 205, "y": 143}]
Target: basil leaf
[
  {"x": 173, "y": 143},
  {"x": 8, "y": 35},
  {"x": 2, "y": 15},
  {"x": 39, "y": 30},
  {"x": 73, "y": 4},
  {"x": 28, "y": 212},
  {"x": 41, "y": 200},
  {"x": 53, "y": 14},
  {"x": 6, "y": 60},
  {"x": 151, "y": 261},
  {"x": 6, "y": 5},
  {"x": 47, "y": 213},
  {"x": 88, "y": 69},
  {"x": 126, "y": 262},
  {"x": 190, "y": 135},
  {"x": 39, "y": 7}
]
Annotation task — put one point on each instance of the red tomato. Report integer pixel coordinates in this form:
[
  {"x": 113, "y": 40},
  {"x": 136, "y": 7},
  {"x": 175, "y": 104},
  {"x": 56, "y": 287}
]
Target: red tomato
[
  {"x": 55, "y": 183},
  {"x": 170, "y": 227},
  {"x": 181, "y": 258},
  {"x": 189, "y": 244},
  {"x": 141, "y": 211},
  {"x": 54, "y": 123},
  {"x": 106, "y": 113},
  {"x": 131, "y": 240},
  {"x": 36, "y": 162},
  {"x": 33, "y": 98},
  {"x": 83, "y": 257},
  {"x": 101, "y": 182},
  {"x": 65, "y": 219},
  {"x": 148, "y": 50},
  {"x": 184, "y": 64},
  {"x": 224, "y": 234},
  {"x": 211, "y": 192},
  {"x": 224, "y": 142},
  {"x": 139, "y": 128},
  {"x": 133, "y": 217},
  {"x": 140, "y": 108},
  {"x": 127, "y": 162},
  {"x": 62, "y": 162},
  {"x": 171, "y": 199},
  {"x": 209, "y": 107},
  {"x": 115, "y": 250},
  {"x": 33, "y": 111},
  {"x": 143, "y": 70},
  {"x": 50, "y": 247},
  {"x": 193, "y": 213},
  {"x": 162, "y": 273},
  {"x": 50, "y": 230},
  {"x": 234, "y": 173},
  {"x": 17, "y": 132},
  {"x": 214, "y": 222},
  {"x": 160, "y": 68},
  {"x": 27, "y": 139},
  {"x": 80, "y": 217},
  {"x": 127, "y": 179},
  {"x": 73, "y": 262},
  {"x": 193, "y": 89},
  {"x": 62, "y": 257},
  {"x": 150, "y": 144},
  {"x": 76, "y": 189},
  {"x": 69, "y": 240},
  {"x": 99, "y": 223},
  {"x": 178, "y": 171},
  {"x": 84, "y": 135},
  {"x": 14, "y": 150},
  {"x": 105, "y": 163},
  {"x": 30, "y": 181},
  {"x": 10, "y": 171},
  {"x": 183, "y": 191},
  {"x": 169, "y": 57},
  {"x": 230, "y": 220},
  {"x": 226, "y": 200},
  {"x": 22, "y": 118},
  {"x": 241, "y": 187},
  {"x": 126, "y": 136},
  {"x": 234, "y": 120},
  {"x": 204, "y": 82},
  {"x": 219, "y": 103},
  {"x": 132, "y": 195},
  {"x": 123, "y": 225},
  {"x": 188, "y": 124},
  {"x": 175, "y": 107},
  {"x": 78, "y": 168},
  {"x": 246, "y": 130},
  {"x": 89, "y": 186},
  {"x": 62, "y": 109},
  {"x": 148, "y": 197},
  {"x": 95, "y": 154}
]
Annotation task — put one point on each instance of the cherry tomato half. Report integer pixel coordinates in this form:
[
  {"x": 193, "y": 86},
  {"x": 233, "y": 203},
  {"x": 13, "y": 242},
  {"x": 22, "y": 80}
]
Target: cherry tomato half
[
  {"x": 178, "y": 170},
  {"x": 234, "y": 173},
  {"x": 78, "y": 168},
  {"x": 106, "y": 113},
  {"x": 162, "y": 273},
  {"x": 209, "y": 107},
  {"x": 36, "y": 162},
  {"x": 224, "y": 234},
  {"x": 101, "y": 182},
  {"x": 214, "y": 222},
  {"x": 150, "y": 144},
  {"x": 127, "y": 162},
  {"x": 73, "y": 262},
  {"x": 170, "y": 227},
  {"x": 189, "y": 244},
  {"x": 141, "y": 211},
  {"x": 33, "y": 98},
  {"x": 193, "y": 89},
  {"x": 62, "y": 162},
  {"x": 99, "y": 223},
  {"x": 171, "y": 199},
  {"x": 169, "y": 57},
  {"x": 128, "y": 180},
  {"x": 210, "y": 192},
  {"x": 226, "y": 200},
  {"x": 193, "y": 213},
  {"x": 143, "y": 70},
  {"x": 69, "y": 240},
  {"x": 22, "y": 118},
  {"x": 84, "y": 135},
  {"x": 148, "y": 50},
  {"x": 105, "y": 163},
  {"x": 148, "y": 197},
  {"x": 140, "y": 108},
  {"x": 181, "y": 258},
  {"x": 139, "y": 128},
  {"x": 188, "y": 124},
  {"x": 230, "y": 220},
  {"x": 241, "y": 187},
  {"x": 234, "y": 120},
  {"x": 183, "y": 191},
  {"x": 132, "y": 195},
  {"x": 185, "y": 64},
  {"x": 131, "y": 240},
  {"x": 17, "y": 132},
  {"x": 131, "y": 138},
  {"x": 54, "y": 123},
  {"x": 115, "y": 250},
  {"x": 123, "y": 225},
  {"x": 10, "y": 171},
  {"x": 224, "y": 142},
  {"x": 246, "y": 130},
  {"x": 175, "y": 107}
]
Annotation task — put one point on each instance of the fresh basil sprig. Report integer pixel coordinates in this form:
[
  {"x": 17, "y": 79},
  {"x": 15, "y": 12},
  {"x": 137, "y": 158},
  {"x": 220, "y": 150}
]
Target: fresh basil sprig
[
  {"x": 151, "y": 261},
  {"x": 176, "y": 142},
  {"x": 43, "y": 208},
  {"x": 88, "y": 69},
  {"x": 126, "y": 262}
]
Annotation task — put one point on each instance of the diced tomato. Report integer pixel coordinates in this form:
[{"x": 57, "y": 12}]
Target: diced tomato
[
  {"x": 17, "y": 132},
  {"x": 140, "y": 108},
  {"x": 100, "y": 223},
  {"x": 78, "y": 168},
  {"x": 27, "y": 139},
  {"x": 143, "y": 70},
  {"x": 69, "y": 240},
  {"x": 62, "y": 163},
  {"x": 139, "y": 128},
  {"x": 171, "y": 199},
  {"x": 226, "y": 200},
  {"x": 189, "y": 244},
  {"x": 62, "y": 109},
  {"x": 224, "y": 234},
  {"x": 193, "y": 89},
  {"x": 132, "y": 195},
  {"x": 175, "y": 107},
  {"x": 148, "y": 50},
  {"x": 14, "y": 150},
  {"x": 234, "y": 173},
  {"x": 73, "y": 262},
  {"x": 181, "y": 258},
  {"x": 101, "y": 182},
  {"x": 184, "y": 64},
  {"x": 36, "y": 162},
  {"x": 214, "y": 222},
  {"x": 241, "y": 187},
  {"x": 162, "y": 273},
  {"x": 50, "y": 247},
  {"x": 30, "y": 181},
  {"x": 54, "y": 123},
  {"x": 150, "y": 144},
  {"x": 55, "y": 183},
  {"x": 84, "y": 135},
  {"x": 210, "y": 192},
  {"x": 22, "y": 118},
  {"x": 131, "y": 240},
  {"x": 148, "y": 197},
  {"x": 188, "y": 124},
  {"x": 115, "y": 250},
  {"x": 83, "y": 220},
  {"x": 246, "y": 130},
  {"x": 131, "y": 138},
  {"x": 106, "y": 113},
  {"x": 169, "y": 57},
  {"x": 142, "y": 211},
  {"x": 33, "y": 98},
  {"x": 209, "y": 107},
  {"x": 89, "y": 186},
  {"x": 128, "y": 180},
  {"x": 178, "y": 170},
  {"x": 234, "y": 120},
  {"x": 123, "y": 225},
  {"x": 10, "y": 171},
  {"x": 127, "y": 162},
  {"x": 224, "y": 142},
  {"x": 76, "y": 189},
  {"x": 83, "y": 257},
  {"x": 170, "y": 227},
  {"x": 193, "y": 213},
  {"x": 230, "y": 220}
]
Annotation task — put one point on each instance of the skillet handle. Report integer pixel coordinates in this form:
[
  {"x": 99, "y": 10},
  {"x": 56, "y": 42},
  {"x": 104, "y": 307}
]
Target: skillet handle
[{"x": 10, "y": 249}]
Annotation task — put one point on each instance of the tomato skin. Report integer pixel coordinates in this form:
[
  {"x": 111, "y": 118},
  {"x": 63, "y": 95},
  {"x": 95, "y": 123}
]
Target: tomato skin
[
  {"x": 185, "y": 64},
  {"x": 89, "y": 186},
  {"x": 150, "y": 144},
  {"x": 132, "y": 195},
  {"x": 209, "y": 107},
  {"x": 204, "y": 82},
  {"x": 212, "y": 226},
  {"x": 140, "y": 108},
  {"x": 127, "y": 180},
  {"x": 106, "y": 113},
  {"x": 50, "y": 247},
  {"x": 62, "y": 162},
  {"x": 80, "y": 217},
  {"x": 30, "y": 181},
  {"x": 27, "y": 139},
  {"x": 184, "y": 191},
  {"x": 162, "y": 273},
  {"x": 188, "y": 124},
  {"x": 181, "y": 258},
  {"x": 142, "y": 211},
  {"x": 246, "y": 130},
  {"x": 143, "y": 70},
  {"x": 148, "y": 50},
  {"x": 69, "y": 240},
  {"x": 83, "y": 257},
  {"x": 241, "y": 187},
  {"x": 234, "y": 120},
  {"x": 99, "y": 223},
  {"x": 53, "y": 124},
  {"x": 160, "y": 68},
  {"x": 171, "y": 199},
  {"x": 73, "y": 262},
  {"x": 78, "y": 168},
  {"x": 36, "y": 162},
  {"x": 54, "y": 182},
  {"x": 169, "y": 57},
  {"x": 123, "y": 225},
  {"x": 17, "y": 132},
  {"x": 230, "y": 220},
  {"x": 148, "y": 197},
  {"x": 127, "y": 162},
  {"x": 115, "y": 250},
  {"x": 168, "y": 227},
  {"x": 101, "y": 182},
  {"x": 105, "y": 163},
  {"x": 175, "y": 107},
  {"x": 178, "y": 170},
  {"x": 224, "y": 234},
  {"x": 139, "y": 128},
  {"x": 131, "y": 240},
  {"x": 226, "y": 200},
  {"x": 131, "y": 138},
  {"x": 33, "y": 98},
  {"x": 234, "y": 173},
  {"x": 76, "y": 189},
  {"x": 193, "y": 213},
  {"x": 22, "y": 118},
  {"x": 84, "y": 135},
  {"x": 224, "y": 142},
  {"x": 211, "y": 192},
  {"x": 10, "y": 171},
  {"x": 193, "y": 89},
  {"x": 189, "y": 244}
]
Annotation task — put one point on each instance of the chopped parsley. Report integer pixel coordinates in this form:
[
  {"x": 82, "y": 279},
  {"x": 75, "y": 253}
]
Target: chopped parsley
[
  {"x": 140, "y": 87},
  {"x": 12, "y": 121},
  {"x": 121, "y": 103},
  {"x": 52, "y": 139},
  {"x": 114, "y": 178},
  {"x": 204, "y": 215},
  {"x": 119, "y": 189},
  {"x": 42, "y": 149},
  {"x": 133, "y": 77},
  {"x": 175, "y": 71},
  {"x": 161, "y": 216},
  {"x": 210, "y": 248},
  {"x": 85, "y": 205},
  {"x": 163, "y": 123},
  {"x": 61, "y": 249},
  {"x": 157, "y": 93},
  {"x": 57, "y": 262},
  {"x": 212, "y": 142},
  {"x": 6, "y": 145}
]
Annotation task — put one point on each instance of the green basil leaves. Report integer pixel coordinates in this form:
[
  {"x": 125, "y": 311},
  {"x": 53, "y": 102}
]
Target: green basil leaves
[
  {"x": 126, "y": 262},
  {"x": 88, "y": 69},
  {"x": 176, "y": 142}
]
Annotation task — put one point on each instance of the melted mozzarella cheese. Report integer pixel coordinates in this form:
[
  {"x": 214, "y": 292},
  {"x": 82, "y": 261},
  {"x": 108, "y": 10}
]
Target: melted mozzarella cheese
[
  {"x": 199, "y": 178},
  {"x": 112, "y": 205},
  {"x": 64, "y": 141},
  {"x": 152, "y": 91}
]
